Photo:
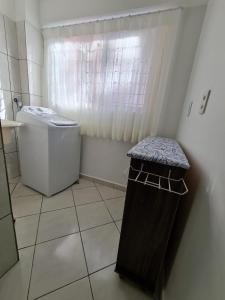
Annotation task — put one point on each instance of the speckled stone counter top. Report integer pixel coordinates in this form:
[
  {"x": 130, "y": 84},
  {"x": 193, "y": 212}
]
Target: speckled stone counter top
[{"x": 160, "y": 150}]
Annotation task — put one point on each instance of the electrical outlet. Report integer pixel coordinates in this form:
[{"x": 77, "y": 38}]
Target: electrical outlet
[{"x": 204, "y": 102}]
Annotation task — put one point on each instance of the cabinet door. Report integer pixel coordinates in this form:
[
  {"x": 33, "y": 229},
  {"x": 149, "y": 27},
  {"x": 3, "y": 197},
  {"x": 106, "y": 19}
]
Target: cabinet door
[
  {"x": 8, "y": 245},
  {"x": 4, "y": 193},
  {"x": 8, "y": 248}
]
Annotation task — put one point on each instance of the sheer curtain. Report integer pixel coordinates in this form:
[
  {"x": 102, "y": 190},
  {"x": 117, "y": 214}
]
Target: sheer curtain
[{"x": 112, "y": 75}]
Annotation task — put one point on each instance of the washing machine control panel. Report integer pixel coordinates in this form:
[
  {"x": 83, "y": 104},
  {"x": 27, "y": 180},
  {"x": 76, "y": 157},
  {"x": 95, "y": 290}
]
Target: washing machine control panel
[{"x": 49, "y": 116}]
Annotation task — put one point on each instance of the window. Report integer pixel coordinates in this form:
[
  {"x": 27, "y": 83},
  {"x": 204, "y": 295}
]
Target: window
[
  {"x": 110, "y": 75},
  {"x": 115, "y": 61}
]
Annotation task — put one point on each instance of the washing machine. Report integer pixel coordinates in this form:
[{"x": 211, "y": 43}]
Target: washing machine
[{"x": 49, "y": 150}]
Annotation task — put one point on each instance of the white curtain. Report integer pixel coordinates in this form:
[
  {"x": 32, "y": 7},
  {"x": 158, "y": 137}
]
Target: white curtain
[{"x": 112, "y": 75}]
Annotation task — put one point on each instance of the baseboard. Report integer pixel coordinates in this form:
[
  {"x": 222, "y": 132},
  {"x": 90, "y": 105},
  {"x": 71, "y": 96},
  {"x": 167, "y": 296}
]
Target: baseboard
[{"x": 105, "y": 182}]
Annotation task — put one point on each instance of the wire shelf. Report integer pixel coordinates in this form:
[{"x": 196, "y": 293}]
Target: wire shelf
[{"x": 171, "y": 185}]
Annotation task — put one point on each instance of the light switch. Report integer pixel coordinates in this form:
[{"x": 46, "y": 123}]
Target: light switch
[
  {"x": 189, "y": 109},
  {"x": 204, "y": 102}
]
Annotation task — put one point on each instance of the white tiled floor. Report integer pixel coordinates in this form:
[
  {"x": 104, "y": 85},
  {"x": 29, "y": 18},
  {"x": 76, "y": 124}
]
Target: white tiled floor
[{"x": 68, "y": 245}]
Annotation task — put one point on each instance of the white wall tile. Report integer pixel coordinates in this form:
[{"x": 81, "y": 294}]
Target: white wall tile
[
  {"x": 14, "y": 73},
  {"x": 4, "y": 72},
  {"x": 8, "y": 251},
  {"x": 6, "y": 109},
  {"x": 21, "y": 36},
  {"x": 2, "y": 35},
  {"x": 11, "y": 37},
  {"x": 34, "y": 43},
  {"x": 24, "y": 76},
  {"x": 34, "y": 75}
]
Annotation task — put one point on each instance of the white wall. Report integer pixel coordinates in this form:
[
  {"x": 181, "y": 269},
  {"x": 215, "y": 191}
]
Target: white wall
[
  {"x": 199, "y": 270},
  {"x": 188, "y": 41},
  {"x": 33, "y": 12},
  {"x": 110, "y": 158},
  {"x": 105, "y": 159},
  {"x": 7, "y": 7},
  {"x": 57, "y": 11},
  {"x": 28, "y": 10}
]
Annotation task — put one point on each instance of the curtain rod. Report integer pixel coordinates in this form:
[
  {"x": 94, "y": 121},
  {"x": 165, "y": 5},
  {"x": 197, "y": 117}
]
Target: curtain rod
[{"x": 105, "y": 18}]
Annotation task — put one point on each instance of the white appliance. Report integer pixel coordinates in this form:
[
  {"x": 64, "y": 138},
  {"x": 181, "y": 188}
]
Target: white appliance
[{"x": 49, "y": 147}]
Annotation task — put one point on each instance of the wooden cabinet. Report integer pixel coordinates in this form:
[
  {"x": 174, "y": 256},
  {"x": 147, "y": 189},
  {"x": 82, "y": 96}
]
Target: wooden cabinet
[{"x": 150, "y": 209}]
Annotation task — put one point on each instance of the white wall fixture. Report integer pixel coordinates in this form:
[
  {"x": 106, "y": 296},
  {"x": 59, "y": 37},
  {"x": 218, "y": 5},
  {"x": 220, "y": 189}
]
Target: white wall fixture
[{"x": 204, "y": 102}]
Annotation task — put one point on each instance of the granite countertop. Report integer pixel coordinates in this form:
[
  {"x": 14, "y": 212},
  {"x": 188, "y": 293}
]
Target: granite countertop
[{"x": 160, "y": 150}]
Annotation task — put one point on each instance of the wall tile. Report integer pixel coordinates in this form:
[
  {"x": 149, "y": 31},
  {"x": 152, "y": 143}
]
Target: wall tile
[
  {"x": 4, "y": 72},
  {"x": 12, "y": 164},
  {"x": 34, "y": 43},
  {"x": 14, "y": 73},
  {"x": 11, "y": 36},
  {"x": 21, "y": 37},
  {"x": 24, "y": 76},
  {"x": 6, "y": 109},
  {"x": 34, "y": 74},
  {"x": 4, "y": 193},
  {"x": 2, "y": 35},
  {"x": 8, "y": 250}
]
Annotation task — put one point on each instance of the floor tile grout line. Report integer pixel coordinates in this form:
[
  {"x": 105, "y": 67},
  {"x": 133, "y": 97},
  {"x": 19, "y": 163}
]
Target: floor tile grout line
[
  {"x": 65, "y": 235},
  {"x": 96, "y": 185},
  {"x": 101, "y": 269},
  {"x": 56, "y": 209},
  {"x": 83, "y": 246},
  {"x": 88, "y": 203},
  {"x": 32, "y": 266},
  {"x": 30, "y": 195},
  {"x": 74, "y": 281},
  {"x": 108, "y": 210},
  {"x": 81, "y": 188},
  {"x": 43, "y": 212},
  {"x": 61, "y": 287},
  {"x": 43, "y": 242},
  {"x": 97, "y": 226}
]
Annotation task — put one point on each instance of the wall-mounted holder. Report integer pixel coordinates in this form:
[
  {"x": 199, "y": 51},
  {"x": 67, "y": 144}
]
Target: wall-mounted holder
[
  {"x": 19, "y": 103},
  {"x": 171, "y": 185}
]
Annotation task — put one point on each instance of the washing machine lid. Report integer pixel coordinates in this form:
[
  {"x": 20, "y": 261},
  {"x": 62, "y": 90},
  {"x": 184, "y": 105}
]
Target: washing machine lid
[
  {"x": 47, "y": 115},
  {"x": 60, "y": 121}
]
